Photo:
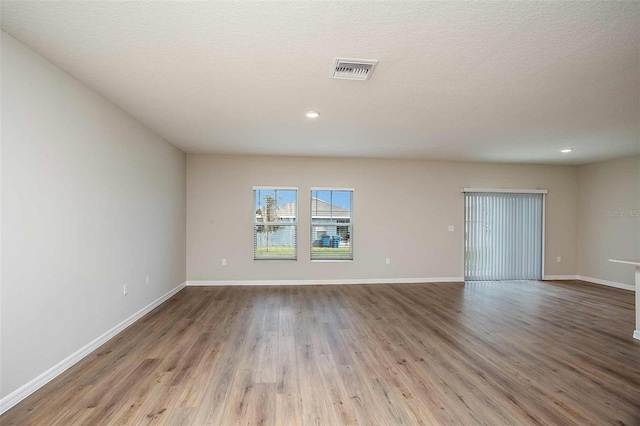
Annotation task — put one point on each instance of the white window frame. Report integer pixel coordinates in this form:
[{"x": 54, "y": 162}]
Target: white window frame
[
  {"x": 331, "y": 188},
  {"x": 255, "y": 222}
]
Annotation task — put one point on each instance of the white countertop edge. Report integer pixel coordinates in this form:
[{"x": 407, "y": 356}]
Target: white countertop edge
[{"x": 627, "y": 262}]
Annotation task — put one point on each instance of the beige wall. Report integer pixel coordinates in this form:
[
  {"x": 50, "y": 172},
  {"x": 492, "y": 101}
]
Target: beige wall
[
  {"x": 91, "y": 200},
  {"x": 609, "y": 226},
  {"x": 401, "y": 211}
]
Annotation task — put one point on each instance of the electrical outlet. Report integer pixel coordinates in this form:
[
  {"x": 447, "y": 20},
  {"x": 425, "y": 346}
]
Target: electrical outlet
[
  {"x": 558, "y": 259},
  {"x": 124, "y": 290},
  {"x": 224, "y": 262},
  {"x": 388, "y": 261},
  {"x": 451, "y": 228},
  {"x": 147, "y": 281}
]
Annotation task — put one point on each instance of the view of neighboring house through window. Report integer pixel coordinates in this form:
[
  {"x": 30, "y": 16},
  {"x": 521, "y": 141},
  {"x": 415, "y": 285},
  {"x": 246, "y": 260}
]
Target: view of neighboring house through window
[
  {"x": 275, "y": 223},
  {"x": 331, "y": 224}
]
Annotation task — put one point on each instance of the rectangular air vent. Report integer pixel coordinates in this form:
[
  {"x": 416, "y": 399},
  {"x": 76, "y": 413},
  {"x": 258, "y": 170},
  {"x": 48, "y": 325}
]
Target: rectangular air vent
[{"x": 353, "y": 69}]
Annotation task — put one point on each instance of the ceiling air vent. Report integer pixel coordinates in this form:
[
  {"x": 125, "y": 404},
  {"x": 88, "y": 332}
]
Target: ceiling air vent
[{"x": 353, "y": 69}]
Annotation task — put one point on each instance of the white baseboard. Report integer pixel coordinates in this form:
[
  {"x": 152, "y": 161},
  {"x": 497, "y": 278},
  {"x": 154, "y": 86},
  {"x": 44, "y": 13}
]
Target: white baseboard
[
  {"x": 590, "y": 280},
  {"x": 607, "y": 283},
  {"x": 636, "y": 334},
  {"x": 28, "y": 388},
  {"x": 328, "y": 282},
  {"x": 559, "y": 277}
]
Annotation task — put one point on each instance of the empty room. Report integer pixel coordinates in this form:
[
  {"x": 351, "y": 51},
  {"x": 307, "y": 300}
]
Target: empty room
[{"x": 320, "y": 213}]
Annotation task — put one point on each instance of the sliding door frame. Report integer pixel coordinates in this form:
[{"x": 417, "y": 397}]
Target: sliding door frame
[{"x": 508, "y": 191}]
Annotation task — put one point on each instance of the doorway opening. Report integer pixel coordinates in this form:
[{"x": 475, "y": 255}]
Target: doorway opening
[{"x": 504, "y": 235}]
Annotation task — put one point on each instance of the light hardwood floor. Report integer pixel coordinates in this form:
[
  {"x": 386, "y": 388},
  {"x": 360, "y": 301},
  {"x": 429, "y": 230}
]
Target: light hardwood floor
[{"x": 509, "y": 353}]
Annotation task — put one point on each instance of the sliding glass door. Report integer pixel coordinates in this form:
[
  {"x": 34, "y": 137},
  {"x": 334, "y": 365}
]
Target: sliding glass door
[{"x": 503, "y": 236}]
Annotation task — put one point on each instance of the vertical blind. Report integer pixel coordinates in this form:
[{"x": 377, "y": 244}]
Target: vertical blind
[
  {"x": 275, "y": 224},
  {"x": 503, "y": 236},
  {"x": 331, "y": 225}
]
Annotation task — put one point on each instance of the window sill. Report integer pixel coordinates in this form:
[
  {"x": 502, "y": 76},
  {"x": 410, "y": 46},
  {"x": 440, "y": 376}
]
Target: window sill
[
  {"x": 275, "y": 258},
  {"x": 331, "y": 260}
]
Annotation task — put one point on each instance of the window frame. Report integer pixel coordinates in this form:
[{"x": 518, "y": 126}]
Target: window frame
[
  {"x": 294, "y": 224},
  {"x": 312, "y": 224}
]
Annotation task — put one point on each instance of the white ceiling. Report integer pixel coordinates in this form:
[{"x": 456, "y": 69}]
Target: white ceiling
[{"x": 497, "y": 81}]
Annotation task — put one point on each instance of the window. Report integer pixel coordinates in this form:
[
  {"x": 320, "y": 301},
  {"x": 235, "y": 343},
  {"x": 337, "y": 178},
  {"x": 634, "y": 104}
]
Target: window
[
  {"x": 275, "y": 223},
  {"x": 331, "y": 224}
]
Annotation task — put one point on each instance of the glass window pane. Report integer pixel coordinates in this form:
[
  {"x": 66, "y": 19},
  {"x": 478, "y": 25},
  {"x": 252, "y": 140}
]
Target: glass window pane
[
  {"x": 331, "y": 225},
  {"x": 275, "y": 224}
]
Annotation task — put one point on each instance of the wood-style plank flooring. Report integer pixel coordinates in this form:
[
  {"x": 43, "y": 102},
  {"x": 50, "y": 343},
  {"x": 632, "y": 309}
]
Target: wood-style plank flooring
[{"x": 508, "y": 353}]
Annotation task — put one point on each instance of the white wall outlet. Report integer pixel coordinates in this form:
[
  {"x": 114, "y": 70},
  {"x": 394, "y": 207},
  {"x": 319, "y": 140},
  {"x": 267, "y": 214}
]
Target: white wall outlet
[
  {"x": 558, "y": 259},
  {"x": 224, "y": 262},
  {"x": 147, "y": 281},
  {"x": 388, "y": 261},
  {"x": 451, "y": 228},
  {"x": 124, "y": 290}
]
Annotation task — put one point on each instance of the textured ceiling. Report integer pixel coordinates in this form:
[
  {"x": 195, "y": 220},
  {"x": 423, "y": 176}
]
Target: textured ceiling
[{"x": 497, "y": 81}]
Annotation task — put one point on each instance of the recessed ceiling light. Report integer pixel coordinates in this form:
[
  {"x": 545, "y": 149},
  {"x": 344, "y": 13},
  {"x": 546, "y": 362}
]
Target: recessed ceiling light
[
  {"x": 566, "y": 150},
  {"x": 312, "y": 114}
]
